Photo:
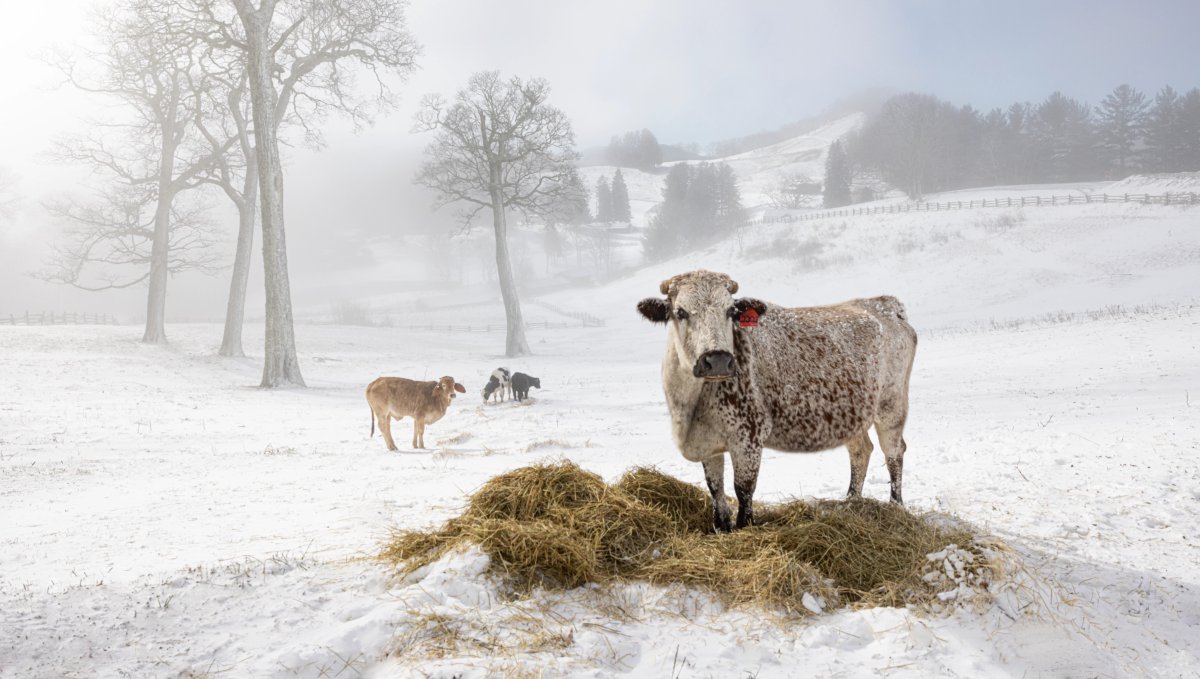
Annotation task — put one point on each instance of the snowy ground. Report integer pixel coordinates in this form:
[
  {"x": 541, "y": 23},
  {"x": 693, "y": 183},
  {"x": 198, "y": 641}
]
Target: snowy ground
[{"x": 162, "y": 517}]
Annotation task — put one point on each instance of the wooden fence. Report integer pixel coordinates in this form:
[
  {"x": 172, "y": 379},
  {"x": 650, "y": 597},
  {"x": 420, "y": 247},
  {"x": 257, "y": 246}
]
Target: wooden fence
[
  {"x": 588, "y": 320},
  {"x": 59, "y": 319},
  {"x": 1023, "y": 201},
  {"x": 492, "y": 327}
]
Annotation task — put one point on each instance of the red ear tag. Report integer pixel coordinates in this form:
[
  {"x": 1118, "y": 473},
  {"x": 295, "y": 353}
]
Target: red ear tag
[{"x": 749, "y": 318}]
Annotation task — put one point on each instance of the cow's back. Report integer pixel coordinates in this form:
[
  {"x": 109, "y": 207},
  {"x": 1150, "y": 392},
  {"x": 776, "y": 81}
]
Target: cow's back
[{"x": 818, "y": 371}]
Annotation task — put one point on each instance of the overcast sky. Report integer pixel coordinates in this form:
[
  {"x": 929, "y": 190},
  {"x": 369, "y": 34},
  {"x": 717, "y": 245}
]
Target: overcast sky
[{"x": 691, "y": 71}]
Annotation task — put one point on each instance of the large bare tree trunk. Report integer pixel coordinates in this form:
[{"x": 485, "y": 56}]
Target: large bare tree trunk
[
  {"x": 280, "y": 364},
  {"x": 156, "y": 299},
  {"x": 515, "y": 343},
  {"x": 235, "y": 309}
]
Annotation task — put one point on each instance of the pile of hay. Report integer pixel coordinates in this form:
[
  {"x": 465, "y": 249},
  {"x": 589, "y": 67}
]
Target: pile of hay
[{"x": 558, "y": 526}]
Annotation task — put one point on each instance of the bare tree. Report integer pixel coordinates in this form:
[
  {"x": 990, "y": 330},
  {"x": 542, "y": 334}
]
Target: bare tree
[
  {"x": 792, "y": 191},
  {"x": 147, "y": 157},
  {"x": 498, "y": 146},
  {"x": 296, "y": 56},
  {"x": 236, "y": 174},
  {"x": 118, "y": 231}
]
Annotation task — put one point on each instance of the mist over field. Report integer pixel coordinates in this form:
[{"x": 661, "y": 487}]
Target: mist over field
[{"x": 221, "y": 220}]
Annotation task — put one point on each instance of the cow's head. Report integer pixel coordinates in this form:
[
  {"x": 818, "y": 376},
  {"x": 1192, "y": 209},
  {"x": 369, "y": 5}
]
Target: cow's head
[
  {"x": 446, "y": 387},
  {"x": 490, "y": 388},
  {"x": 701, "y": 316}
]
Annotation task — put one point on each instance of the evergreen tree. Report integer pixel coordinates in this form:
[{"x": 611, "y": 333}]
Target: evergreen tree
[
  {"x": 604, "y": 204},
  {"x": 700, "y": 204},
  {"x": 569, "y": 204},
  {"x": 1163, "y": 133},
  {"x": 730, "y": 213},
  {"x": 1021, "y": 153},
  {"x": 1121, "y": 116},
  {"x": 1062, "y": 129},
  {"x": 620, "y": 199},
  {"x": 664, "y": 237},
  {"x": 1189, "y": 130},
  {"x": 701, "y": 226},
  {"x": 837, "y": 177}
]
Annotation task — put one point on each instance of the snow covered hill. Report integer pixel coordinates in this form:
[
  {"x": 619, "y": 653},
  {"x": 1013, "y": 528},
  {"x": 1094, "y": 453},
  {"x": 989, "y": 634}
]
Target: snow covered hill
[
  {"x": 759, "y": 170},
  {"x": 960, "y": 268}
]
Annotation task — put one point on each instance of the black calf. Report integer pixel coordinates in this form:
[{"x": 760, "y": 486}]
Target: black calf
[{"x": 521, "y": 383}]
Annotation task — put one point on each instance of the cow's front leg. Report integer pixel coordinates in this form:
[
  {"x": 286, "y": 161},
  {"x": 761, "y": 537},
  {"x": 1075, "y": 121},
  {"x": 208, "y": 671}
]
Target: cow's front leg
[
  {"x": 746, "y": 461},
  {"x": 714, "y": 475},
  {"x": 418, "y": 434}
]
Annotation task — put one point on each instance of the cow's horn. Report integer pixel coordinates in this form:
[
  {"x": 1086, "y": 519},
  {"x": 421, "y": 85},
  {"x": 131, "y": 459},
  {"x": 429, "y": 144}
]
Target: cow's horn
[
  {"x": 732, "y": 285},
  {"x": 665, "y": 286}
]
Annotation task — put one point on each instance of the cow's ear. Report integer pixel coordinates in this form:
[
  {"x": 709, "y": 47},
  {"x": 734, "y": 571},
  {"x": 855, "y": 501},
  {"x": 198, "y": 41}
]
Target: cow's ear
[
  {"x": 743, "y": 303},
  {"x": 460, "y": 388},
  {"x": 437, "y": 386},
  {"x": 654, "y": 309}
]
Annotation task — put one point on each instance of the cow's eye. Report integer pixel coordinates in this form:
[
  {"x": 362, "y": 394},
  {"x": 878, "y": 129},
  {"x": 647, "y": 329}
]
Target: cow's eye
[{"x": 681, "y": 314}]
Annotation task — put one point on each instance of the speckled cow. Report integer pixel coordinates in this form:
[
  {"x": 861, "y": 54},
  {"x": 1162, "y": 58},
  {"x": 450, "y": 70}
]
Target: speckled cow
[{"x": 740, "y": 375}]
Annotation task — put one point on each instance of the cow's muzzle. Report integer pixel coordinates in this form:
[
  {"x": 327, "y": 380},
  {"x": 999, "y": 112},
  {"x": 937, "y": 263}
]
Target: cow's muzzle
[{"x": 714, "y": 365}]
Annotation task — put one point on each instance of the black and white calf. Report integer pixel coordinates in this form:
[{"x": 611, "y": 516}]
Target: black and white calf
[
  {"x": 499, "y": 385},
  {"x": 521, "y": 384}
]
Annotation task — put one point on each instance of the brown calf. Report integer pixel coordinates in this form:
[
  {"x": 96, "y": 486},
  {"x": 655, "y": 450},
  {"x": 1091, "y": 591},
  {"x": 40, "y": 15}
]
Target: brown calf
[{"x": 392, "y": 398}]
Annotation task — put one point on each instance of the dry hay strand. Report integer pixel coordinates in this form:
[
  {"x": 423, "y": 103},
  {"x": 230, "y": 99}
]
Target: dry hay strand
[
  {"x": 740, "y": 569},
  {"x": 537, "y": 553},
  {"x": 626, "y": 533},
  {"x": 558, "y": 526},
  {"x": 875, "y": 552},
  {"x": 536, "y": 492},
  {"x": 688, "y": 506}
]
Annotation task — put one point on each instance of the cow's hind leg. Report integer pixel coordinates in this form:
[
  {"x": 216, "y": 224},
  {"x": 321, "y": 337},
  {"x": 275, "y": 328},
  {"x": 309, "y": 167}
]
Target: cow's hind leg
[
  {"x": 714, "y": 475},
  {"x": 745, "y": 477},
  {"x": 385, "y": 428},
  {"x": 860, "y": 455},
  {"x": 891, "y": 440}
]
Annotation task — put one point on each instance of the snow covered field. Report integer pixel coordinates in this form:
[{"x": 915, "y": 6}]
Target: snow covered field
[{"x": 163, "y": 518}]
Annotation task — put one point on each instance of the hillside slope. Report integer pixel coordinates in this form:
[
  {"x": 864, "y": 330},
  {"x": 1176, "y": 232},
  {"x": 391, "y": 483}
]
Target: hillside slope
[{"x": 956, "y": 268}]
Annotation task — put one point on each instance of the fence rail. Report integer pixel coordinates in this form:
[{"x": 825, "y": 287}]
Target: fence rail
[
  {"x": 1023, "y": 201},
  {"x": 64, "y": 318}
]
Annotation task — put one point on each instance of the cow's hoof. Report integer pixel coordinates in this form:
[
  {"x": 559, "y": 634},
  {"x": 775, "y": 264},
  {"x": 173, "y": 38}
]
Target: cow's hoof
[{"x": 722, "y": 524}]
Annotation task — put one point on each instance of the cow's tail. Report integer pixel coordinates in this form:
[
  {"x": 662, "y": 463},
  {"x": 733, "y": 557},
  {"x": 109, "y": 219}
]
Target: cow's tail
[{"x": 372, "y": 423}]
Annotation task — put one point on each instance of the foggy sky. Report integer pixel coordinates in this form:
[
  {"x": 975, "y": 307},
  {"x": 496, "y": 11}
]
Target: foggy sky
[{"x": 690, "y": 71}]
